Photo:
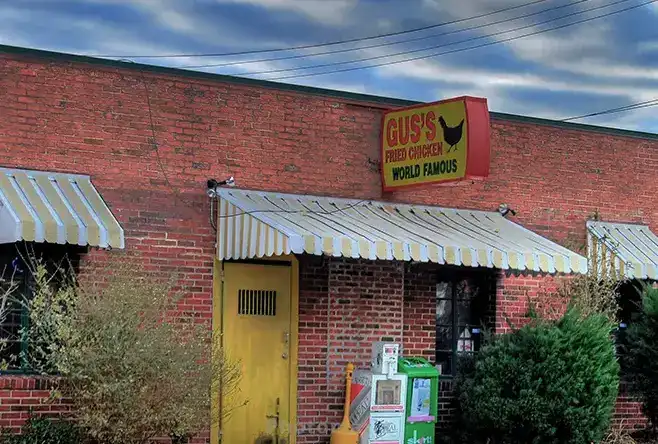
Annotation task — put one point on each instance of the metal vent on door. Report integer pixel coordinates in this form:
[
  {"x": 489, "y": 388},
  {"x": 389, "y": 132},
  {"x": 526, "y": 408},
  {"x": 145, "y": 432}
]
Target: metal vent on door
[{"x": 257, "y": 302}]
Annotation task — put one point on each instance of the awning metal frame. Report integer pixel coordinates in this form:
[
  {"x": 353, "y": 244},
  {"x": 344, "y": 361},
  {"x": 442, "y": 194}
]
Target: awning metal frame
[
  {"x": 629, "y": 250},
  {"x": 254, "y": 224},
  {"x": 58, "y": 208}
]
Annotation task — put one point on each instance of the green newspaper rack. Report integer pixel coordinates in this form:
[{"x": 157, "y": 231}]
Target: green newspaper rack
[{"x": 421, "y": 411}]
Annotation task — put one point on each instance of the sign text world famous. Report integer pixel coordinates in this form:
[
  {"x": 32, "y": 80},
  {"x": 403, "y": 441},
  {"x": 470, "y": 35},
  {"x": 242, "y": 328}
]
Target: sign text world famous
[{"x": 432, "y": 143}]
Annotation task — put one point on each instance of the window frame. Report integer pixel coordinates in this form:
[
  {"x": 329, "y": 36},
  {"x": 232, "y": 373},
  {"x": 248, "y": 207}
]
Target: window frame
[
  {"x": 24, "y": 287},
  {"x": 50, "y": 253},
  {"x": 475, "y": 326},
  {"x": 629, "y": 305}
]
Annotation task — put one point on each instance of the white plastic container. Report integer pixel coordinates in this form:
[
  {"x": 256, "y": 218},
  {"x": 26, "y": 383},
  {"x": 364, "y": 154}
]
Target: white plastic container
[{"x": 384, "y": 358}]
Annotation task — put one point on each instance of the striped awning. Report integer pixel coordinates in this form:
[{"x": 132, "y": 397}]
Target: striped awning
[
  {"x": 629, "y": 249},
  {"x": 253, "y": 224},
  {"x": 38, "y": 206}
]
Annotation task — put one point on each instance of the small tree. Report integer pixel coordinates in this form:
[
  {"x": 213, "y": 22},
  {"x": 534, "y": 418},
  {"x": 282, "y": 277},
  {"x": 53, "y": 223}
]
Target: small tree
[
  {"x": 133, "y": 367},
  {"x": 592, "y": 293},
  {"x": 642, "y": 355}
]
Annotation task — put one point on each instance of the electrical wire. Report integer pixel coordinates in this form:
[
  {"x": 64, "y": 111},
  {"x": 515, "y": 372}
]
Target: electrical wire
[
  {"x": 320, "y": 45},
  {"x": 631, "y": 107},
  {"x": 437, "y": 54},
  {"x": 154, "y": 142},
  {"x": 325, "y": 65},
  {"x": 337, "y": 210},
  {"x": 381, "y": 45},
  {"x": 155, "y": 145}
]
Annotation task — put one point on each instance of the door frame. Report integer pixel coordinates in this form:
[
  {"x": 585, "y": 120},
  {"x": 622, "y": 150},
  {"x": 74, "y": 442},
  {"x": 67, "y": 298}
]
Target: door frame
[{"x": 218, "y": 335}]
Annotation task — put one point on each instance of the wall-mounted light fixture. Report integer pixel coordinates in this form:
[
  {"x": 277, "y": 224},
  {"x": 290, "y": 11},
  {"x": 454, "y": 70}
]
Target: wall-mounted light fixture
[
  {"x": 211, "y": 191},
  {"x": 213, "y": 184},
  {"x": 504, "y": 210}
]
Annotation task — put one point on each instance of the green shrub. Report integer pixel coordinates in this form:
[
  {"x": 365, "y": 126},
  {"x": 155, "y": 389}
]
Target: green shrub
[
  {"x": 548, "y": 382},
  {"x": 42, "y": 430},
  {"x": 134, "y": 366},
  {"x": 641, "y": 355}
]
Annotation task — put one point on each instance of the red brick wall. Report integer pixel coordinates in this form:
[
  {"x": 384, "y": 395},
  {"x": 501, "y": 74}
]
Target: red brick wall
[
  {"x": 517, "y": 294},
  {"x": 19, "y": 394},
  {"x": 313, "y": 390},
  {"x": 279, "y": 140},
  {"x": 361, "y": 302},
  {"x": 365, "y": 306},
  {"x": 628, "y": 411},
  {"x": 420, "y": 311},
  {"x": 95, "y": 120}
]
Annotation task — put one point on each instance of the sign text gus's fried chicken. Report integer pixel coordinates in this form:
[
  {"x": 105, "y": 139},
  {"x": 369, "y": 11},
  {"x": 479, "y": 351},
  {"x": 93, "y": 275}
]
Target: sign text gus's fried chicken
[{"x": 438, "y": 142}]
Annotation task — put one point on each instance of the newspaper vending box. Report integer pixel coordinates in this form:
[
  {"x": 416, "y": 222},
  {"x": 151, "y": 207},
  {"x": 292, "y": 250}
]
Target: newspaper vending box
[
  {"x": 422, "y": 400},
  {"x": 388, "y": 392}
]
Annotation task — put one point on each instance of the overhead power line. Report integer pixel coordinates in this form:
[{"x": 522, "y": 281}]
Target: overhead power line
[
  {"x": 437, "y": 54},
  {"x": 381, "y": 45},
  {"x": 443, "y": 45},
  {"x": 320, "y": 45},
  {"x": 631, "y": 107}
]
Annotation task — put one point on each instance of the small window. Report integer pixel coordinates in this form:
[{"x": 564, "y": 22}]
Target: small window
[
  {"x": 13, "y": 316},
  {"x": 257, "y": 302},
  {"x": 464, "y": 307},
  {"x": 16, "y": 290},
  {"x": 630, "y": 308}
]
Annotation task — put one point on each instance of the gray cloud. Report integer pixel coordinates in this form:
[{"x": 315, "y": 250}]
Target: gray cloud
[{"x": 328, "y": 12}]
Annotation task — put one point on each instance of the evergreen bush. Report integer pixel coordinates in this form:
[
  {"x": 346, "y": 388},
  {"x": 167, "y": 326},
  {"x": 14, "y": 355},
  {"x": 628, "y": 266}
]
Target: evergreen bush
[
  {"x": 641, "y": 355},
  {"x": 548, "y": 382}
]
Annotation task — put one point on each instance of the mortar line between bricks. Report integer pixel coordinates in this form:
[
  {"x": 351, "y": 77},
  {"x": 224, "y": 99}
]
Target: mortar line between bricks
[{"x": 327, "y": 353}]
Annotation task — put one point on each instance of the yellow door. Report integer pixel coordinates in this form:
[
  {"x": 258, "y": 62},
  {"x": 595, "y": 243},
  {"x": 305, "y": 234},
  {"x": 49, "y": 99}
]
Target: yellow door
[{"x": 257, "y": 328}]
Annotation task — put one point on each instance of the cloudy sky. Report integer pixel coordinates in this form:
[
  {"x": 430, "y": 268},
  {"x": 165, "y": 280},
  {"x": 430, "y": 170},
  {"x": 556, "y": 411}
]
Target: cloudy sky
[{"x": 608, "y": 59}]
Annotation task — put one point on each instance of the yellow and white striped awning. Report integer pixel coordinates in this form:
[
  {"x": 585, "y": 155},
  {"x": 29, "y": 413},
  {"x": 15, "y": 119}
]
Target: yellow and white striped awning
[
  {"x": 253, "y": 224},
  {"x": 38, "y": 206},
  {"x": 629, "y": 249}
]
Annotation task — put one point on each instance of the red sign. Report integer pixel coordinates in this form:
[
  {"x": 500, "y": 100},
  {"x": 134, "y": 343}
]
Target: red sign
[{"x": 438, "y": 142}]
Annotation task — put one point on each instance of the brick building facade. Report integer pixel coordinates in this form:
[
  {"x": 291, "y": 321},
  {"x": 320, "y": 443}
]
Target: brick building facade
[{"x": 151, "y": 137}]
